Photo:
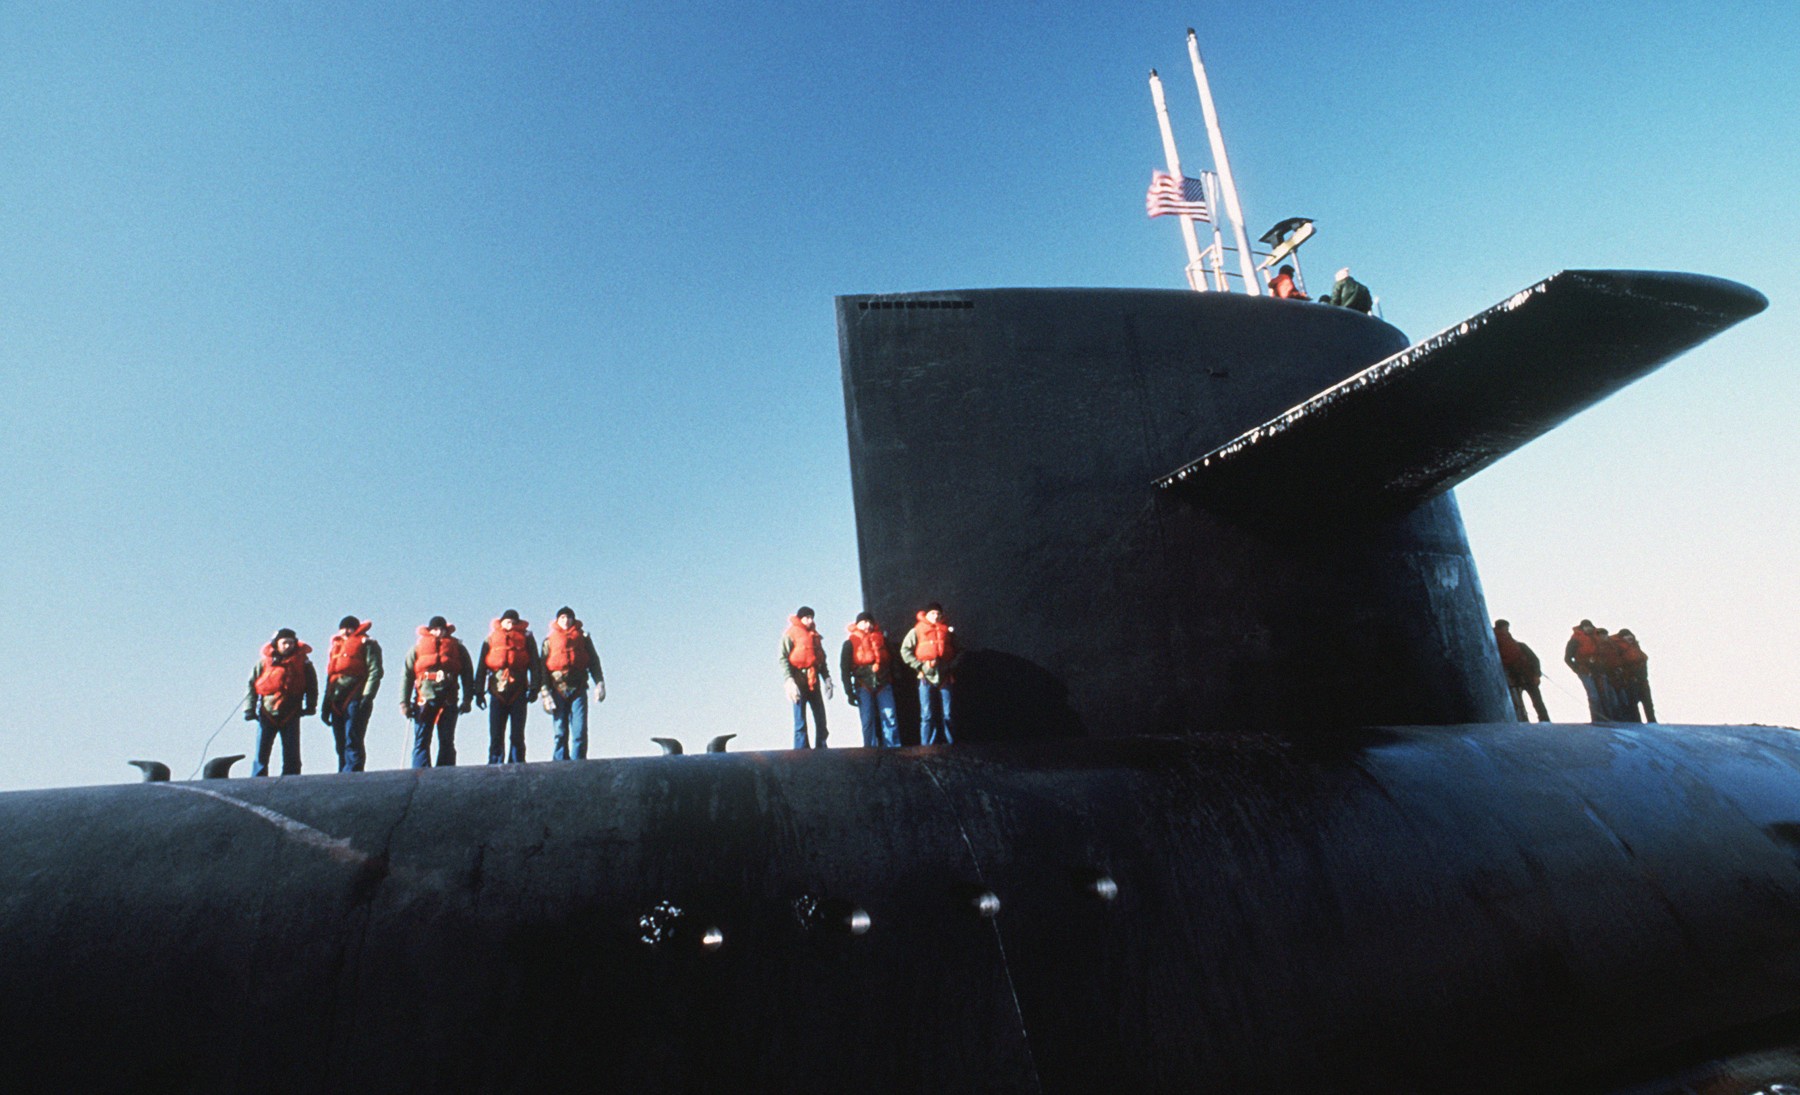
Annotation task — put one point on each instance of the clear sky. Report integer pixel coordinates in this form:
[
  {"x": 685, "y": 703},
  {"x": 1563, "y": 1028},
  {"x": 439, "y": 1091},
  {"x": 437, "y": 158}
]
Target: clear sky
[{"x": 397, "y": 310}]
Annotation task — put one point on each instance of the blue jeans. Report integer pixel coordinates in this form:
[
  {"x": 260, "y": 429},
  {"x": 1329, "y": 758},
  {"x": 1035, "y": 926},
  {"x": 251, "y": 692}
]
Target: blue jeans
[
  {"x": 266, "y": 732},
  {"x": 348, "y": 732},
  {"x": 879, "y": 725},
  {"x": 569, "y": 715},
  {"x": 1599, "y": 709},
  {"x": 816, "y": 700},
  {"x": 935, "y": 724},
  {"x": 498, "y": 715},
  {"x": 442, "y": 716}
]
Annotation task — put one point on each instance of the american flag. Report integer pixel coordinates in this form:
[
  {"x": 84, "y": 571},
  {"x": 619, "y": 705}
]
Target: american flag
[{"x": 1166, "y": 198}]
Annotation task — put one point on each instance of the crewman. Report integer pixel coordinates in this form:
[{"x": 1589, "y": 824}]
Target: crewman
[
  {"x": 1347, "y": 292},
  {"x": 1634, "y": 675},
  {"x": 930, "y": 649},
  {"x": 804, "y": 673},
  {"x": 868, "y": 671},
  {"x": 570, "y": 661},
  {"x": 1579, "y": 655},
  {"x": 352, "y": 678},
  {"x": 1523, "y": 672},
  {"x": 284, "y": 688},
  {"x": 506, "y": 683},
  {"x": 1282, "y": 286},
  {"x": 438, "y": 671},
  {"x": 1609, "y": 663}
]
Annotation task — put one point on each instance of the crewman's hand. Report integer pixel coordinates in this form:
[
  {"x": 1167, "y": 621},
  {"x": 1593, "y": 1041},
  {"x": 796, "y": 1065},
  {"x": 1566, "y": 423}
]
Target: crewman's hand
[
  {"x": 531, "y": 697},
  {"x": 308, "y": 711},
  {"x": 407, "y": 709},
  {"x": 480, "y": 701},
  {"x": 600, "y": 691},
  {"x": 851, "y": 695},
  {"x": 792, "y": 689},
  {"x": 249, "y": 714},
  {"x": 829, "y": 691},
  {"x": 466, "y": 703}
]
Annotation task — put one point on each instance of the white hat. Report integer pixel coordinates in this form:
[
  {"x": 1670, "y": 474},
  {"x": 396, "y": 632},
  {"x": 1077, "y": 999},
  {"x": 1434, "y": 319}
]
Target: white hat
[{"x": 1344, "y": 273}]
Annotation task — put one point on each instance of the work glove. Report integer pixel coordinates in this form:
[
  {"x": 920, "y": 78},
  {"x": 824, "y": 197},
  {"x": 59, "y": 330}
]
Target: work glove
[
  {"x": 308, "y": 711},
  {"x": 792, "y": 689},
  {"x": 467, "y": 702},
  {"x": 599, "y": 691},
  {"x": 480, "y": 701},
  {"x": 249, "y": 714},
  {"x": 531, "y": 697},
  {"x": 851, "y": 695},
  {"x": 549, "y": 703},
  {"x": 829, "y": 691},
  {"x": 408, "y": 710}
]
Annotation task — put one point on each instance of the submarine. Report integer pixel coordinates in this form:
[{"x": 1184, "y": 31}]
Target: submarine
[{"x": 1189, "y": 838}]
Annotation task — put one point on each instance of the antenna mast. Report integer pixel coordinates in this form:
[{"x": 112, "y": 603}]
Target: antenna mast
[{"x": 1226, "y": 185}]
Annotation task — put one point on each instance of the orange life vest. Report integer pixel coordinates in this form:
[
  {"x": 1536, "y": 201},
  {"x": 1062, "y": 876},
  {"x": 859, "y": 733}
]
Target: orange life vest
[
  {"x": 934, "y": 639},
  {"x": 565, "y": 649},
  {"x": 1510, "y": 654},
  {"x": 506, "y": 649},
  {"x": 347, "y": 658},
  {"x": 868, "y": 647},
  {"x": 436, "y": 655},
  {"x": 807, "y": 650},
  {"x": 1282, "y": 287},
  {"x": 1586, "y": 645},
  {"x": 1606, "y": 652},
  {"x": 282, "y": 675}
]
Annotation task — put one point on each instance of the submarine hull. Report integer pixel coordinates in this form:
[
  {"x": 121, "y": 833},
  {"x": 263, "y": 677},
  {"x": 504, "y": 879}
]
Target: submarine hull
[{"x": 1451, "y": 908}]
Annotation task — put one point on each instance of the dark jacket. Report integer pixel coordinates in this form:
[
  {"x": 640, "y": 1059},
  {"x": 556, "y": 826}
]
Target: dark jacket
[
  {"x": 871, "y": 677},
  {"x": 1352, "y": 294},
  {"x": 487, "y": 680}
]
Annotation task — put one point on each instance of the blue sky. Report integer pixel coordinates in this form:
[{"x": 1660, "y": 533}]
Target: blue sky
[{"x": 397, "y": 310}]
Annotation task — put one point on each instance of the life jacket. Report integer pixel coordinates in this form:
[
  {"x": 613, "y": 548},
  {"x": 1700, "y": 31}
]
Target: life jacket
[
  {"x": 282, "y": 678},
  {"x": 868, "y": 647},
  {"x": 1586, "y": 645},
  {"x": 565, "y": 649},
  {"x": 506, "y": 649},
  {"x": 806, "y": 653},
  {"x": 1607, "y": 654},
  {"x": 1283, "y": 287},
  {"x": 435, "y": 658},
  {"x": 934, "y": 639},
  {"x": 1632, "y": 654},
  {"x": 347, "y": 658}
]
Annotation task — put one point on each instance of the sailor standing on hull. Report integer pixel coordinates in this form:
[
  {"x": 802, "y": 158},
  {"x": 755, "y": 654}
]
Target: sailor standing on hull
[
  {"x": 868, "y": 671},
  {"x": 352, "y": 678},
  {"x": 804, "y": 673},
  {"x": 570, "y": 661},
  {"x": 438, "y": 671},
  {"x": 930, "y": 649},
  {"x": 284, "y": 688},
  {"x": 506, "y": 684}
]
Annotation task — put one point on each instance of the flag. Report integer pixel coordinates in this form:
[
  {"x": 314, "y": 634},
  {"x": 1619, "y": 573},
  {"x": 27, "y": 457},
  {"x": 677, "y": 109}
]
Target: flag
[{"x": 1188, "y": 199}]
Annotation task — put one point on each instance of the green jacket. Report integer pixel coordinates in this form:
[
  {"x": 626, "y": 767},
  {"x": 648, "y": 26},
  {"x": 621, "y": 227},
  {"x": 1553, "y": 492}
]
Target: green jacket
[
  {"x": 788, "y": 672},
  {"x": 445, "y": 691},
  {"x": 487, "y": 680},
  {"x": 1352, "y": 294},
  {"x": 309, "y": 702},
  {"x": 937, "y": 675},
  {"x": 372, "y": 683}
]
